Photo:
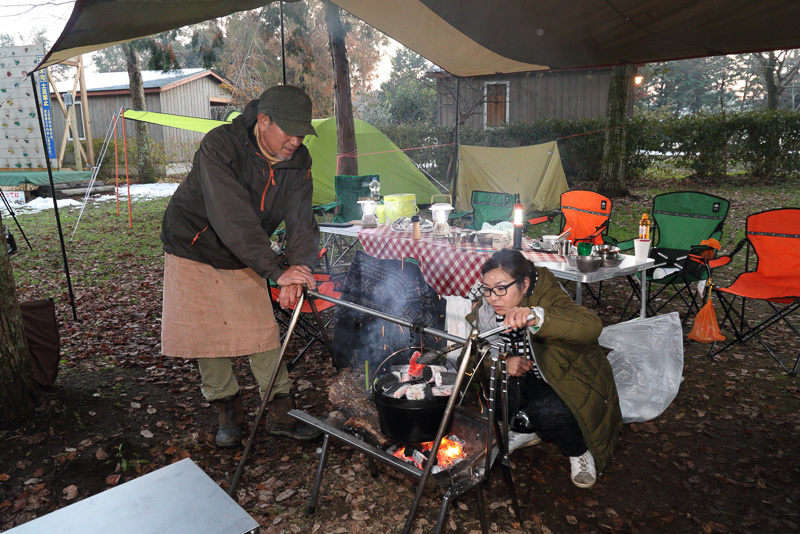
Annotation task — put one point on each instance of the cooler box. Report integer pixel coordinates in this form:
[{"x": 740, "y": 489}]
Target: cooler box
[{"x": 399, "y": 205}]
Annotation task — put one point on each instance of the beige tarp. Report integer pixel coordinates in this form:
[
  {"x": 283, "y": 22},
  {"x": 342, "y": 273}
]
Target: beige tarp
[
  {"x": 477, "y": 37},
  {"x": 535, "y": 172}
]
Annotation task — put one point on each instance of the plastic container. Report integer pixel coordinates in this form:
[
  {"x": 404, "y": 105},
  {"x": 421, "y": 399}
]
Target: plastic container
[
  {"x": 399, "y": 205},
  {"x": 644, "y": 227}
]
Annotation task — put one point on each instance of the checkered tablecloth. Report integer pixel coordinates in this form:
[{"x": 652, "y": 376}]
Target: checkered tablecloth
[{"x": 450, "y": 270}]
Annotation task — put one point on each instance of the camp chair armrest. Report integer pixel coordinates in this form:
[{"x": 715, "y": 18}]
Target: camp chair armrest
[
  {"x": 625, "y": 245},
  {"x": 325, "y": 207},
  {"x": 544, "y": 218},
  {"x": 460, "y": 214}
]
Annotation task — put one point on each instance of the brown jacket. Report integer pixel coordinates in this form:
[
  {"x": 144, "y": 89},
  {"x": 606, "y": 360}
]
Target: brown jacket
[{"x": 232, "y": 201}]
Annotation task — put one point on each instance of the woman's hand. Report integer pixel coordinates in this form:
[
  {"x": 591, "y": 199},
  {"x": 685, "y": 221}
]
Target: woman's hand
[
  {"x": 518, "y": 318},
  {"x": 518, "y": 366}
]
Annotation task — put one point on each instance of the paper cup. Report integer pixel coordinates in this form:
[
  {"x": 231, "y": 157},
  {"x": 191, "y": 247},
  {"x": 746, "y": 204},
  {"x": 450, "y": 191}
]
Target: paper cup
[{"x": 641, "y": 249}]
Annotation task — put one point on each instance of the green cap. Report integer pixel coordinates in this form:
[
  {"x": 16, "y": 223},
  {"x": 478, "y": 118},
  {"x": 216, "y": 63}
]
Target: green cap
[{"x": 289, "y": 107}]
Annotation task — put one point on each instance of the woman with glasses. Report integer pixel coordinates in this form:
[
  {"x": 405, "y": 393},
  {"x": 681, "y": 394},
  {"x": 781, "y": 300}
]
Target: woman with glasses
[{"x": 561, "y": 388}]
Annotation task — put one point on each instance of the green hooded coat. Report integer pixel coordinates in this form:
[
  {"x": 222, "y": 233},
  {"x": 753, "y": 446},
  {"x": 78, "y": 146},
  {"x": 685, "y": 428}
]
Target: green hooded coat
[{"x": 571, "y": 361}]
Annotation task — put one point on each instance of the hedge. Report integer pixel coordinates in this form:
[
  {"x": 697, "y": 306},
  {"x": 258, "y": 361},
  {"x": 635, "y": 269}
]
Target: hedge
[{"x": 764, "y": 144}]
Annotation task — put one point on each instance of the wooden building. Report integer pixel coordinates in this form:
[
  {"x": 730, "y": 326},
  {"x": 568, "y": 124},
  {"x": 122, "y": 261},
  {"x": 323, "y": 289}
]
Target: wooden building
[
  {"x": 492, "y": 101},
  {"x": 190, "y": 92}
]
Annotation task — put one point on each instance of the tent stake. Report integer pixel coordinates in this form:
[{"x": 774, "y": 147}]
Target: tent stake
[{"x": 55, "y": 202}]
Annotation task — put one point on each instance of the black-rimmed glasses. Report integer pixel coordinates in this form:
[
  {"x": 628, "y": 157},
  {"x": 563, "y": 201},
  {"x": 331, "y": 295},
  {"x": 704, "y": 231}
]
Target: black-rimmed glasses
[{"x": 500, "y": 291}]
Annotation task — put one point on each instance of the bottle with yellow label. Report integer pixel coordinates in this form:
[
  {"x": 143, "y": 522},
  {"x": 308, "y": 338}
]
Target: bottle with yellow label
[{"x": 644, "y": 227}]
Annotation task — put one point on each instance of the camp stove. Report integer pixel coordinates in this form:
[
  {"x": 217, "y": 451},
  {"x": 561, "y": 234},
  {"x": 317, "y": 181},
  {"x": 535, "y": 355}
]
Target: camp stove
[{"x": 478, "y": 435}]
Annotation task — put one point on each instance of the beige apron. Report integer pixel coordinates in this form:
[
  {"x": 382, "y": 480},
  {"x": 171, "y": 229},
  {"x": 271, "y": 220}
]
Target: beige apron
[{"x": 210, "y": 313}]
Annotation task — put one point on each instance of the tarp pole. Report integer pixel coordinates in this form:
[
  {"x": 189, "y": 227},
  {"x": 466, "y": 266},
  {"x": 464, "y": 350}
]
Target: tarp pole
[
  {"x": 116, "y": 164},
  {"x": 283, "y": 46},
  {"x": 127, "y": 176},
  {"x": 55, "y": 202},
  {"x": 455, "y": 141},
  {"x": 7, "y": 204}
]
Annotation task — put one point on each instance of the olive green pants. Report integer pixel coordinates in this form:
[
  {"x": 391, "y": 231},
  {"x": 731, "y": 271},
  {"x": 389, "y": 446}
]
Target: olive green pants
[{"x": 219, "y": 382}]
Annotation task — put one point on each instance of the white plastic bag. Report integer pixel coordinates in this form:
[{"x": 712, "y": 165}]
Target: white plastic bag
[{"x": 647, "y": 360}]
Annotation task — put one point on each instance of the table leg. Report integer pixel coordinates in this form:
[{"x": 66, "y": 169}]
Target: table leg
[
  {"x": 578, "y": 292},
  {"x": 643, "y": 311}
]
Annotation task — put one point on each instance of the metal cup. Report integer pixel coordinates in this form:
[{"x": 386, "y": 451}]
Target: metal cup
[{"x": 563, "y": 247}]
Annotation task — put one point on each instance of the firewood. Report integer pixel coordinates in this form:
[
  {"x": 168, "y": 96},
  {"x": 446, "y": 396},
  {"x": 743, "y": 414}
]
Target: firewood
[
  {"x": 347, "y": 395},
  {"x": 368, "y": 431}
]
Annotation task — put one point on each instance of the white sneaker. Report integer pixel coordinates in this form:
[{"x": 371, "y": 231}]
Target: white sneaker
[
  {"x": 519, "y": 440},
  {"x": 584, "y": 474}
]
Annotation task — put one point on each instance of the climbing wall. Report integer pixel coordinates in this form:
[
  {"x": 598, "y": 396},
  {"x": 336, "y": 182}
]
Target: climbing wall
[{"x": 20, "y": 140}]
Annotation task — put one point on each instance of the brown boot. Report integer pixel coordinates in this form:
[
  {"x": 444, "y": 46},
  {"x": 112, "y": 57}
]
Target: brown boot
[
  {"x": 231, "y": 416},
  {"x": 283, "y": 424}
]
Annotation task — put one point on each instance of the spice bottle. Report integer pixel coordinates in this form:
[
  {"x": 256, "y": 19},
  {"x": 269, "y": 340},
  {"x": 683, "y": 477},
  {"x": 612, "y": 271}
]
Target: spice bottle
[
  {"x": 644, "y": 227},
  {"x": 416, "y": 233}
]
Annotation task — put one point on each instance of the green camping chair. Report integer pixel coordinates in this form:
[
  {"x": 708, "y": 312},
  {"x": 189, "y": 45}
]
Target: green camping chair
[
  {"x": 681, "y": 220},
  {"x": 488, "y": 206},
  {"x": 348, "y": 190},
  {"x": 346, "y": 208}
]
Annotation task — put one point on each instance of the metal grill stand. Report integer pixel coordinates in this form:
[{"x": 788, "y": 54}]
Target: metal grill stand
[{"x": 484, "y": 434}]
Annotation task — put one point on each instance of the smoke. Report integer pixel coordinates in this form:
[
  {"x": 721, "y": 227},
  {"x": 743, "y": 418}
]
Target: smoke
[{"x": 392, "y": 287}]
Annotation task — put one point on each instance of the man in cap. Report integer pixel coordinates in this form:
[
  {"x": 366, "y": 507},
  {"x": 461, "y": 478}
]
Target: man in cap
[{"x": 247, "y": 177}]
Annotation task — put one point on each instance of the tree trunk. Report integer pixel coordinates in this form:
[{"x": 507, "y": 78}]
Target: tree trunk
[
  {"x": 612, "y": 178},
  {"x": 345, "y": 126},
  {"x": 17, "y": 387},
  {"x": 769, "y": 82},
  {"x": 144, "y": 148}
]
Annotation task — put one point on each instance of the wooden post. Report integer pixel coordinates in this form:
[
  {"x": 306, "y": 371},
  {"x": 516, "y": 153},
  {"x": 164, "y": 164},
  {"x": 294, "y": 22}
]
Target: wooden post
[
  {"x": 76, "y": 142},
  {"x": 87, "y": 121}
]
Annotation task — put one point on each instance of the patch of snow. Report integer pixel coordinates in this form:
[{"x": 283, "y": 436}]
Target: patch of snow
[{"x": 138, "y": 192}]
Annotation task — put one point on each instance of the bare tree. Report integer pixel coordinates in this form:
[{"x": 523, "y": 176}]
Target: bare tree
[{"x": 778, "y": 69}]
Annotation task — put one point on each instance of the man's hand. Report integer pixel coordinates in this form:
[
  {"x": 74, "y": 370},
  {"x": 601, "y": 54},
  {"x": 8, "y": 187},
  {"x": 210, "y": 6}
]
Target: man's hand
[
  {"x": 297, "y": 274},
  {"x": 292, "y": 282},
  {"x": 289, "y": 295}
]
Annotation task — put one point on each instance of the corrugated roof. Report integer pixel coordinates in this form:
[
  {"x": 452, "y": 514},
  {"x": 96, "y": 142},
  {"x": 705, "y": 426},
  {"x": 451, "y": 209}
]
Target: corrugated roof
[{"x": 118, "y": 81}]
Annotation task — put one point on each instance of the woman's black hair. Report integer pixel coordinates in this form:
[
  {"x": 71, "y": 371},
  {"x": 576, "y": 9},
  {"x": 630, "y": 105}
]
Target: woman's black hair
[{"x": 515, "y": 264}]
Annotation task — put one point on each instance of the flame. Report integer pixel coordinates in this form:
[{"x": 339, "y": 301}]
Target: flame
[
  {"x": 414, "y": 368},
  {"x": 449, "y": 451}
]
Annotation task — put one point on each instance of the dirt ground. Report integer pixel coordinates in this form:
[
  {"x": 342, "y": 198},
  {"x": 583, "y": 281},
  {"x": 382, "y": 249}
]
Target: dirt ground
[{"x": 721, "y": 458}]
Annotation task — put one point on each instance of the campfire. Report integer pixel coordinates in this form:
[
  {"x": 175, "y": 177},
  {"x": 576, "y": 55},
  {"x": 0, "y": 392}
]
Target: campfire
[{"x": 450, "y": 453}]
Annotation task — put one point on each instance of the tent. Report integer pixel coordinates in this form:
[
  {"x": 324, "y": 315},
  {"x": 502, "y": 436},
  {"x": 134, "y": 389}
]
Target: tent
[
  {"x": 376, "y": 155},
  {"x": 535, "y": 172}
]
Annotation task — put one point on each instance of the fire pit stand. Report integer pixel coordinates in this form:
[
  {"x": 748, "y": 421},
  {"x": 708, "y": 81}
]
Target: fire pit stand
[{"x": 482, "y": 435}]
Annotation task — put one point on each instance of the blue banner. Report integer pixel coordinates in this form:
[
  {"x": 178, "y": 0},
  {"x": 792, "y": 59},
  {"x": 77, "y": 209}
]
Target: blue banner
[{"x": 47, "y": 118}]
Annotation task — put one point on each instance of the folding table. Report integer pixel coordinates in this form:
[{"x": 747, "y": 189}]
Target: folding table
[{"x": 177, "y": 498}]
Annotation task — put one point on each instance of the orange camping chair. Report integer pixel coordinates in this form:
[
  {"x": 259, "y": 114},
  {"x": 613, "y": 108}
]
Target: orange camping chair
[
  {"x": 310, "y": 326},
  {"x": 586, "y": 213},
  {"x": 774, "y": 236}
]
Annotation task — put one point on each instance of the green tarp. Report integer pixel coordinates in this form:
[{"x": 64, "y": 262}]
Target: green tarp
[
  {"x": 377, "y": 155},
  {"x": 176, "y": 121},
  {"x": 16, "y": 178}
]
